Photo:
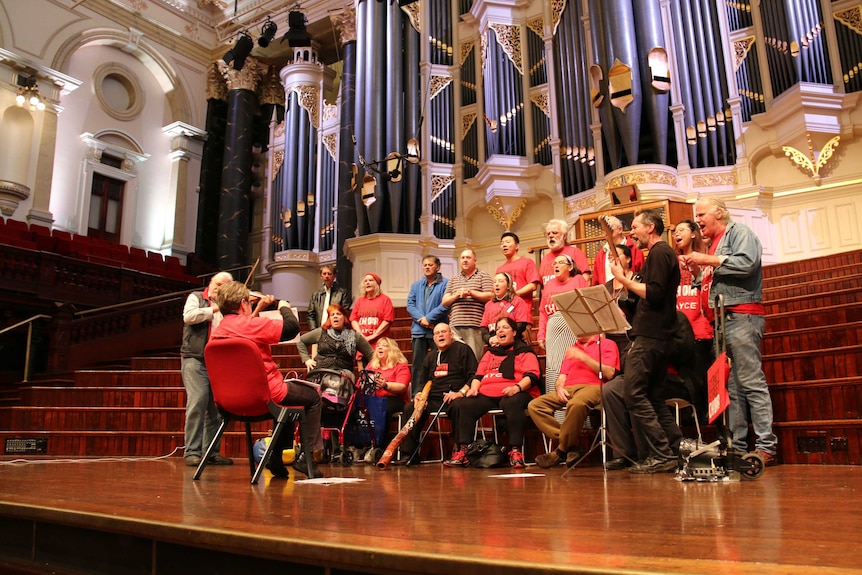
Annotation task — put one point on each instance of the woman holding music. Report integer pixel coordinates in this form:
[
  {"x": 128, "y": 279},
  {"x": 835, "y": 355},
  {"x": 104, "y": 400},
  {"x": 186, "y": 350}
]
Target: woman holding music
[
  {"x": 507, "y": 378},
  {"x": 554, "y": 335}
]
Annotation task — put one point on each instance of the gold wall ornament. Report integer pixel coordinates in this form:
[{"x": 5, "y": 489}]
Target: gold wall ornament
[
  {"x": 709, "y": 180},
  {"x": 331, "y": 141},
  {"x": 413, "y": 10},
  {"x": 852, "y": 18},
  {"x": 741, "y": 48},
  {"x": 330, "y": 111},
  {"x": 271, "y": 90},
  {"x": 498, "y": 212},
  {"x": 309, "y": 100},
  {"x": 557, "y": 8},
  {"x": 543, "y": 102},
  {"x": 217, "y": 4},
  {"x": 813, "y": 163},
  {"x": 467, "y": 121},
  {"x": 216, "y": 85},
  {"x": 277, "y": 161},
  {"x": 642, "y": 177},
  {"x": 509, "y": 39},
  {"x": 344, "y": 23},
  {"x": 537, "y": 25},
  {"x": 438, "y": 83},
  {"x": 466, "y": 49},
  {"x": 439, "y": 183},
  {"x": 245, "y": 79},
  {"x": 580, "y": 203}
]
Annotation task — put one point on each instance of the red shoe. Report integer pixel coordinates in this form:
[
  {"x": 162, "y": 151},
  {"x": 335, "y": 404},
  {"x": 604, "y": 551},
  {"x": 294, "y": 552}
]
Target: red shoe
[
  {"x": 459, "y": 459},
  {"x": 516, "y": 459}
]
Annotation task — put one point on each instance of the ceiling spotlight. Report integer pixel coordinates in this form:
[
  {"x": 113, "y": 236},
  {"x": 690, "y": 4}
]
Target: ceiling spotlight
[
  {"x": 267, "y": 33},
  {"x": 296, "y": 34},
  {"x": 240, "y": 51}
]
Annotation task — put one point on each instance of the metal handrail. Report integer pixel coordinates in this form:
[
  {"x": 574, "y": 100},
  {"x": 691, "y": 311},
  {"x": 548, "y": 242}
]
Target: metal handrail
[
  {"x": 160, "y": 297},
  {"x": 29, "y": 322}
]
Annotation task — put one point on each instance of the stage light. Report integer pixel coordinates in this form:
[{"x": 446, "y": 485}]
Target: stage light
[
  {"x": 28, "y": 94},
  {"x": 296, "y": 34},
  {"x": 240, "y": 51},
  {"x": 267, "y": 33}
]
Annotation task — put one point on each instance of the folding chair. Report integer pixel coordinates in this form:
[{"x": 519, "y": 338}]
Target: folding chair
[{"x": 241, "y": 392}]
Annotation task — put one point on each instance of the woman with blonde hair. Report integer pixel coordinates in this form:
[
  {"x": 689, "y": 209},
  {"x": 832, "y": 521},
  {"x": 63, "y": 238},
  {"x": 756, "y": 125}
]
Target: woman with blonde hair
[
  {"x": 390, "y": 372},
  {"x": 372, "y": 312}
]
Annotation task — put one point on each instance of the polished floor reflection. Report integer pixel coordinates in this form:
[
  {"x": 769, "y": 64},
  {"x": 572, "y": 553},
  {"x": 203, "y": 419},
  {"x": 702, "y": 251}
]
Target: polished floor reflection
[{"x": 431, "y": 519}]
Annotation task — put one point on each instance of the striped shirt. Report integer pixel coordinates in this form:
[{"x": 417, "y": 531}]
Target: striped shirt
[{"x": 468, "y": 312}]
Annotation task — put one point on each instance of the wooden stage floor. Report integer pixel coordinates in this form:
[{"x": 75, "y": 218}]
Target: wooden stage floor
[{"x": 149, "y": 516}]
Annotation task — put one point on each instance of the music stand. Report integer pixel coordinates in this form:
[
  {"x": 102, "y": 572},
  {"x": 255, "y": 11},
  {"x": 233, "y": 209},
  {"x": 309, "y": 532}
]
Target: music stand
[{"x": 592, "y": 311}]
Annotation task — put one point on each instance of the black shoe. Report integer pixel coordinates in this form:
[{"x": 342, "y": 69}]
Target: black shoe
[
  {"x": 276, "y": 466},
  {"x": 301, "y": 465},
  {"x": 219, "y": 460},
  {"x": 617, "y": 464},
  {"x": 654, "y": 465}
]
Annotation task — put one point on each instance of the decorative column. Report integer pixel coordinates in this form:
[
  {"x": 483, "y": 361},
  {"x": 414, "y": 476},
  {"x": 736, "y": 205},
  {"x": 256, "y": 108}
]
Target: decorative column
[
  {"x": 186, "y": 141},
  {"x": 232, "y": 243},
  {"x": 211, "y": 168}
]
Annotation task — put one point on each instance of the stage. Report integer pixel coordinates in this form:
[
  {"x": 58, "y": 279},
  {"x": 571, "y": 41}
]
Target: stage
[{"x": 149, "y": 516}]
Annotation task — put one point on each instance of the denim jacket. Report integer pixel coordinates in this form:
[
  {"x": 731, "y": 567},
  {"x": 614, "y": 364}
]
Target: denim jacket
[
  {"x": 435, "y": 311},
  {"x": 739, "y": 277}
]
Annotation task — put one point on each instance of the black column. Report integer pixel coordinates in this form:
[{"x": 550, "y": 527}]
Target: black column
[
  {"x": 210, "y": 183},
  {"x": 346, "y": 216}
]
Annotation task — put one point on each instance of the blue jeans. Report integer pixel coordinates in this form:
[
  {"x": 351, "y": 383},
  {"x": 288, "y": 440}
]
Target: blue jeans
[
  {"x": 202, "y": 417},
  {"x": 421, "y": 345},
  {"x": 749, "y": 393}
]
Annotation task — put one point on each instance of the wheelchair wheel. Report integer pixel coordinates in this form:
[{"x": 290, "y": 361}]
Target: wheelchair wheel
[
  {"x": 753, "y": 466},
  {"x": 346, "y": 458}
]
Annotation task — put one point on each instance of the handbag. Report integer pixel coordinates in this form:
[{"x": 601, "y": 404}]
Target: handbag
[{"x": 485, "y": 454}]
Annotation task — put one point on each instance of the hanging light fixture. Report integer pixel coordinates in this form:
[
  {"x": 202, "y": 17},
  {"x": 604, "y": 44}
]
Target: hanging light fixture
[
  {"x": 296, "y": 35},
  {"x": 267, "y": 33},
  {"x": 28, "y": 94},
  {"x": 240, "y": 51}
]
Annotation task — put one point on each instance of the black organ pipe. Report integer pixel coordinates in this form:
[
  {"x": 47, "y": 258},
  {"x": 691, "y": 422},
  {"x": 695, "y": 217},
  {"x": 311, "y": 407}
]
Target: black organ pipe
[
  {"x": 602, "y": 29},
  {"x": 378, "y": 66},
  {"x": 346, "y": 195},
  {"x": 624, "y": 48},
  {"x": 289, "y": 190},
  {"x": 302, "y": 181},
  {"x": 413, "y": 94},
  {"x": 695, "y": 70},
  {"x": 713, "y": 47},
  {"x": 708, "y": 75},
  {"x": 361, "y": 94},
  {"x": 565, "y": 88},
  {"x": 394, "y": 95},
  {"x": 684, "y": 83},
  {"x": 647, "y": 18}
]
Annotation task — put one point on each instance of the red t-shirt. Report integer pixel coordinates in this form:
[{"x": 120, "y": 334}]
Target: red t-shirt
[
  {"x": 578, "y": 373},
  {"x": 370, "y": 313},
  {"x": 398, "y": 374},
  {"x": 546, "y": 267},
  {"x": 690, "y": 301},
  {"x": 547, "y": 308},
  {"x": 523, "y": 271},
  {"x": 496, "y": 310},
  {"x": 492, "y": 381},
  {"x": 263, "y": 333}
]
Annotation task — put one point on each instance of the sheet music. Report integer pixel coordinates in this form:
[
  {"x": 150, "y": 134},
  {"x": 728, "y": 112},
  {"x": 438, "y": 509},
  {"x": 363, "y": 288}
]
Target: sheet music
[{"x": 590, "y": 311}]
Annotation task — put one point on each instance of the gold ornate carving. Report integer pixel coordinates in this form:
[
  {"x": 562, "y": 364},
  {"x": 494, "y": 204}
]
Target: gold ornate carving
[
  {"x": 245, "y": 79},
  {"x": 509, "y": 38},
  {"x": 277, "y": 161},
  {"x": 644, "y": 177},
  {"x": 439, "y": 183},
  {"x": 741, "y": 48},
  {"x": 344, "y": 23},
  {"x": 483, "y": 52},
  {"x": 708, "y": 180},
  {"x": 216, "y": 86},
  {"x": 309, "y": 100},
  {"x": 543, "y": 102},
  {"x": 271, "y": 90},
  {"x": 466, "y": 48},
  {"x": 331, "y": 141},
  {"x": 467, "y": 121},
  {"x": 537, "y": 25},
  {"x": 438, "y": 83},
  {"x": 330, "y": 111},
  {"x": 813, "y": 163},
  {"x": 279, "y": 130},
  {"x": 413, "y": 10},
  {"x": 577, "y": 204},
  {"x": 557, "y": 8},
  {"x": 443, "y": 220},
  {"x": 217, "y": 4},
  {"x": 498, "y": 212},
  {"x": 852, "y": 18}
]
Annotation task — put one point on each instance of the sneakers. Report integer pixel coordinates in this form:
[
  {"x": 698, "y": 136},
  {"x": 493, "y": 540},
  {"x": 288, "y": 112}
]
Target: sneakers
[
  {"x": 459, "y": 459},
  {"x": 769, "y": 459},
  {"x": 654, "y": 465},
  {"x": 219, "y": 460},
  {"x": 516, "y": 459},
  {"x": 548, "y": 460}
]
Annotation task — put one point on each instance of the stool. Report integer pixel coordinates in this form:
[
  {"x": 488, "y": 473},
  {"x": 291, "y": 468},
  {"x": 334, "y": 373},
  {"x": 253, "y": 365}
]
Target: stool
[{"x": 679, "y": 403}]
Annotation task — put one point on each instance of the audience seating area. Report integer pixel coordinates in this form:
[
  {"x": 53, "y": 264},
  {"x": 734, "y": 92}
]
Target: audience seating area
[{"x": 43, "y": 238}]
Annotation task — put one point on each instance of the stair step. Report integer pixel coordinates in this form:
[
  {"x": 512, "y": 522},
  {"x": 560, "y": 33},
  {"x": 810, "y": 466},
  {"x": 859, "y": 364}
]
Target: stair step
[
  {"x": 812, "y": 338},
  {"x": 794, "y": 366},
  {"x": 813, "y": 286},
  {"x": 129, "y": 378},
  {"x": 812, "y": 265},
  {"x": 828, "y": 315},
  {"x": 105, "y": 396},
  {"x": 816, "y": 400}
]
